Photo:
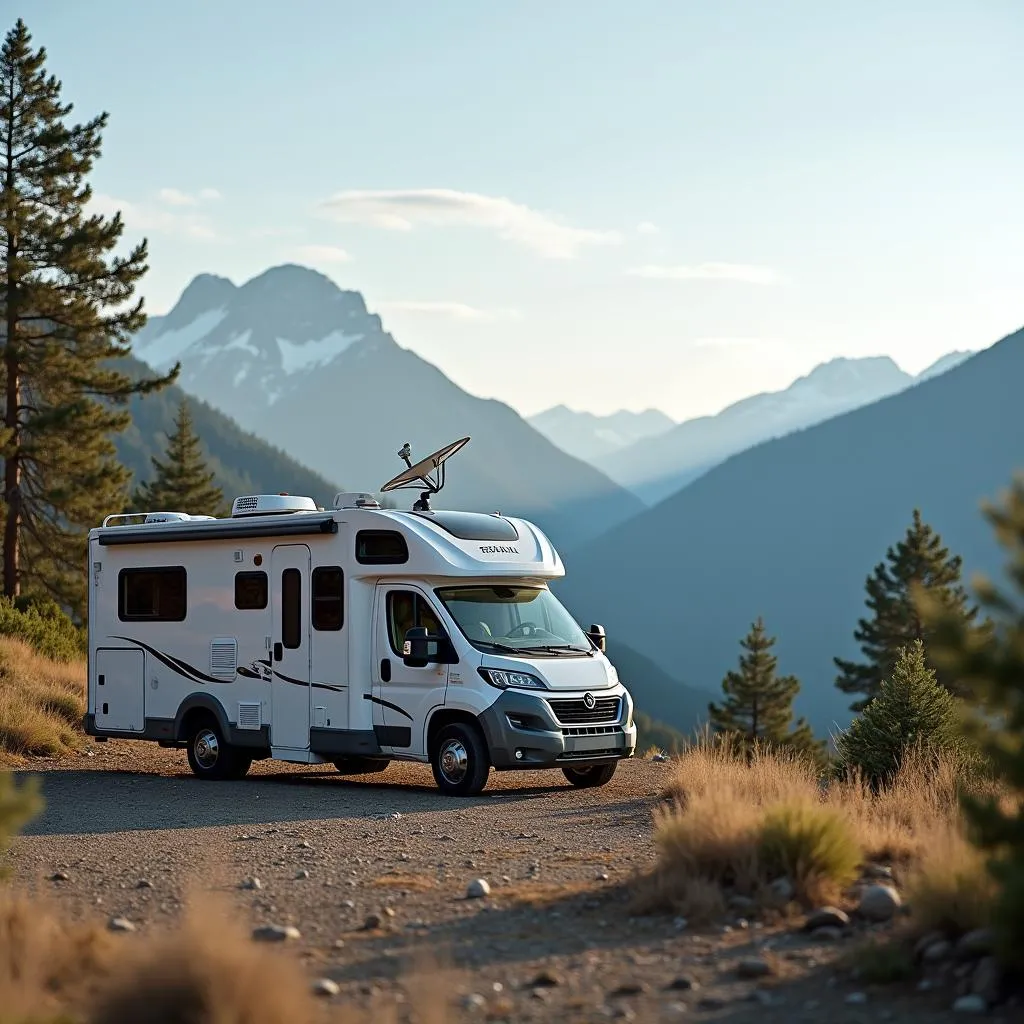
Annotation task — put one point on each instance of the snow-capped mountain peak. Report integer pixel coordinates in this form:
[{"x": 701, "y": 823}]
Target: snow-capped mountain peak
[{"x": 262, "y": 336}]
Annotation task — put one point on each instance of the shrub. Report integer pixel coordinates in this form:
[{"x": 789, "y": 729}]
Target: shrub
[
  {"x": 44, "y": 627},
  {"x": 910, "y": 709},
  {"x": 812, "y": 845}
]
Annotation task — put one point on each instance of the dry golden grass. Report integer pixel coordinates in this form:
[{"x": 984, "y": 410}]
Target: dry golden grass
[
  {"x": 41, "y": 702},
  {"x": 949, "y": 888},
  {"x": 731, "y": 825}
]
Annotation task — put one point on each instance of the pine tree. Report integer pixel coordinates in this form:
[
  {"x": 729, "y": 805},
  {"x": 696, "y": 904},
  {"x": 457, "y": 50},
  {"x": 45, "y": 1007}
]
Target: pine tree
[
  {"x": 182, "y": 482},
  {"x": 921, "y": 559},
  {"x": 993, "y": 665},
  {"x": 66, "y": 313},
  {"x": 758, "y": 705},
  {"x": 910, "y": 710}
]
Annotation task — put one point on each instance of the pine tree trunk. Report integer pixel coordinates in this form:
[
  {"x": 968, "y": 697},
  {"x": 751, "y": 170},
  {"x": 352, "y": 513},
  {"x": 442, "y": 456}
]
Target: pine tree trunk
[{"x": 12, "y": 464}]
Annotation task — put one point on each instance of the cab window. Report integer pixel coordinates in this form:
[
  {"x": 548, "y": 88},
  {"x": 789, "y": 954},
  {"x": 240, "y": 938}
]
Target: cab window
[{"x": 407, "y": 609}]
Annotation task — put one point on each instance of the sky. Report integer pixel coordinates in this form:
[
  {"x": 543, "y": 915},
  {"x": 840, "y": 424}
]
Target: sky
[{"x": 635, "y": 204}]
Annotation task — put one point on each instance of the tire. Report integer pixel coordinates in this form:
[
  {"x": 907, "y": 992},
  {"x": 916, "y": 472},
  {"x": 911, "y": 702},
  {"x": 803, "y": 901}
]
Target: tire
[
  {"x": 590, "y": 777},
  {"x": 210, "y": 756},
  {"x": 361, "y": 765},
  {"x": 459, "y": 760}
]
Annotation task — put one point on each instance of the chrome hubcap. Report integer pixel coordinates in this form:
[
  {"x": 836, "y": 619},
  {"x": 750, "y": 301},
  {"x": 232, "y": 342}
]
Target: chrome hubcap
[
  {"x": 453, "y": 761},
  {"x": 207, "y": 749}
]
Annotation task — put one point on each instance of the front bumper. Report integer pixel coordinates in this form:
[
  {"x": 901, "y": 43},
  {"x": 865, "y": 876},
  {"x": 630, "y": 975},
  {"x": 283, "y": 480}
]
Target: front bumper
[{"x": 523, "y": 722}]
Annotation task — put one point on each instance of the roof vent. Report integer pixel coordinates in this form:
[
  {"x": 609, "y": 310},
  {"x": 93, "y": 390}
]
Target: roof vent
[
  {"x": 271, "y": 505},
  {"x": 355, "y": 499}
]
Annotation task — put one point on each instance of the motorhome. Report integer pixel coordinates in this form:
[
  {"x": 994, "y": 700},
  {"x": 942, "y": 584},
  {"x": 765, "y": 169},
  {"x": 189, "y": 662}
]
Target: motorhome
[{"x": 354, "y": 635}]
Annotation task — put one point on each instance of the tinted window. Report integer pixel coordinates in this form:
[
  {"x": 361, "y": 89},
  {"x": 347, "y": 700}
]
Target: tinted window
[
  {"x": 291, "y": 608},
  {"x": 406, "y": 609},
  {"x": 250, "y": 590},
  {"x": 328, "y": 597},
  {"x": 381, "y": 547},
  {"x": 472, "y": 525},
  {"x": 151, "y": 595}
]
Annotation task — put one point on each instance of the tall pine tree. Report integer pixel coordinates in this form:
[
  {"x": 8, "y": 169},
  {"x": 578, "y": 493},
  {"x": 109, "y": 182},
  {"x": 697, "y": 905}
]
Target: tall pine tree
[
  {"x": 66, "y": 313},
  {"x": 758, "y": 705},
  {"x": 993, "y": 665},
  {"x": 181, "y": 482},
  {"x": 921, "y": 560}
]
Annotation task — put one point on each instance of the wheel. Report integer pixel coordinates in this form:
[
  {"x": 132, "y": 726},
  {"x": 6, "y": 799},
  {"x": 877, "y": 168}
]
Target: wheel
[
  {"x": 211, "y": 757},
  {"x": 459, "y": 760},
  {"x": 589, "y": 777},
  {"x": 361, "y": 765}
]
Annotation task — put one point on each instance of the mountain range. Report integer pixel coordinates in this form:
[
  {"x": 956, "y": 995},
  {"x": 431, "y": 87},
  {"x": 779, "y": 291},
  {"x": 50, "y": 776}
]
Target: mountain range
[
  {"x": 305, "y": 366},
  {"x": 659, "y": 465},
  {"x": 791, "y": 528},
  {"x": 241, "y": 462},
  {"x": 591, "y": 437}
]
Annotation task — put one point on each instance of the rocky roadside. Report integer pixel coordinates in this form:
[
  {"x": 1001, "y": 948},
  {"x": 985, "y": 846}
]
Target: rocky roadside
[{"x": 512, "y": 907}]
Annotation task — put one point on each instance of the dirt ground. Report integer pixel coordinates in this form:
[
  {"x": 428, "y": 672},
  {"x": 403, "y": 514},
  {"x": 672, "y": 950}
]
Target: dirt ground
[{"x": 373, "y": 871}]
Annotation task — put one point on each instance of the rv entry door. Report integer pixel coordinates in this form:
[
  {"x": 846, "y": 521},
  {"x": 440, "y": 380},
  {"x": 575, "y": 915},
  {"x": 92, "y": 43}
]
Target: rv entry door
[{"x": 289, "y": 655}]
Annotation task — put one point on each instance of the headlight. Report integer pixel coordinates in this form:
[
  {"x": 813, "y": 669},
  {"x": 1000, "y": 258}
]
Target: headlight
[{"x": 503, "y": 679}]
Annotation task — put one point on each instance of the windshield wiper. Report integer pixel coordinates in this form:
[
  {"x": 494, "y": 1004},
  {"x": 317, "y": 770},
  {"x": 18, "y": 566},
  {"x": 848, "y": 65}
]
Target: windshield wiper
[
  {"x": 556, "y": 649},
  {"x": 499, "y": 647}
]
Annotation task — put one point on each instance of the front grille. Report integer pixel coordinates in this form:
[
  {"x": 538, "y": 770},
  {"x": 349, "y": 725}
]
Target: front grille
[
  {"x": 572, "y": 711},
  {"x": 590, "y": 730},
  {"x": 586, "y": 755}
]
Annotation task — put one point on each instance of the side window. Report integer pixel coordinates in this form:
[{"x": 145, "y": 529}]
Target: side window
[
  {"x": 328, "y": 597},
  {"x": 152, "y": 595},
  {"x": 381, "y": 547},
  {"x": 405, "y": 610},
  {"x": 291, "y": 608},
  {"x": 251, "y": 590}
]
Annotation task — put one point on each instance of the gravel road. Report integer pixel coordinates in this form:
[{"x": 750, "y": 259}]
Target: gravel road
[{"x": 373, "y": 871}]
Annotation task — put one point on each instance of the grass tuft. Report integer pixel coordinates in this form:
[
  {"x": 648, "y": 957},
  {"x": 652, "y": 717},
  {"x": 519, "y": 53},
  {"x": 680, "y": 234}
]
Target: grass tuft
[{"x": 42, "y": 702}]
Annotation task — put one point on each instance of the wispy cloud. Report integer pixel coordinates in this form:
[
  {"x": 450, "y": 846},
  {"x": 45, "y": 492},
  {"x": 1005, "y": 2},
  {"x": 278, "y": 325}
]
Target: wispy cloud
[
  {"x": 404, "y": 209},
  {"x": 744, "y": 272},
  {"x": 176, "y": 197},
  {"x": 645, "y": 227},
  {"x": 180, "y": 219},
  {"x": 322, "y": 254},
  {"x": 209, "y": 194},
  {"x": 455, "y": 310}
]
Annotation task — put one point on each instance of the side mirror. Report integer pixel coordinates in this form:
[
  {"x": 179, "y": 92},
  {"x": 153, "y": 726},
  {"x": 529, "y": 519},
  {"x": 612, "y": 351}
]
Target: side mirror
[
  {"x": 598, "y": 637},
  {"x": 422, "y": 648}
]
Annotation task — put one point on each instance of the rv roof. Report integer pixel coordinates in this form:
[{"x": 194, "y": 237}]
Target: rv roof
[{"x": 471, "y": 525}]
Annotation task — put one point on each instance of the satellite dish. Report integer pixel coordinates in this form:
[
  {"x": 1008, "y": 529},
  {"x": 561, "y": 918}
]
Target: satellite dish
[{"x": 418, "y": 475}]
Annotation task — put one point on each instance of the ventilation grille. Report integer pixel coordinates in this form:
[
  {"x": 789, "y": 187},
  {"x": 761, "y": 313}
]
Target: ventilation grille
[
  {"x": 224, "y": 657},
  {"x": 247, "y": 504},
  {"x": 249, "y": 715},
  {"x": 573, "y": 711}
]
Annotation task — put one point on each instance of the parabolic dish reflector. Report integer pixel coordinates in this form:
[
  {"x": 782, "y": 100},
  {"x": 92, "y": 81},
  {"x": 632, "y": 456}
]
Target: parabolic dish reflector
[{"x": 418, "y": 475}]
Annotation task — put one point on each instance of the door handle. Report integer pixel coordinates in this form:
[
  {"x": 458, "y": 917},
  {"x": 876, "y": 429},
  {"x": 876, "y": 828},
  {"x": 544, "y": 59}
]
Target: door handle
[
  {"x": 385, "y": 670},
  {"x": 278, "y": 651}
]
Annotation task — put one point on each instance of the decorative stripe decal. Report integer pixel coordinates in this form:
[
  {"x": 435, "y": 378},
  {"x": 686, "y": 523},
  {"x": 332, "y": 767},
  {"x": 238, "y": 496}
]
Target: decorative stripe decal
[
  {"x": 175, "y": 664},
  {"x": 386, "y": 704},
  {"x": 190, "y": 672}
]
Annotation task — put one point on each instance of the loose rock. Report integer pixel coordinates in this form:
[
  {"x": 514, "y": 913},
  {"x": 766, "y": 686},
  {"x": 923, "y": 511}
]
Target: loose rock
[
  {"x": 60, "y": 876},
  {"x": 301, "y": 874},
  {"x": 754, "y": 967},
  {"x": 970, "y": 1004},
  {"x": 474, "y": 1001},
  {"x": 372, "y": 922},
  {"x": 927, "y": 940},
  {"x": 987, "y": 980},
  {"x": 826, "y": 917},
  {"x": 975, "y": 944},
  {"x": 684, "y": 983},
  {"x": 827, "y": 934},
  {"x": 120, "y": 924},
  {"x": 781, "y": 890},
  {"x": 628, "y": 988},
  {"x": 325, "y": 987},
  {"x": 252, "y": 883},
  {"x": 879, "y": 903},
  {"x": 477, "y": 889},
  {"x": 937, "y": 952},
  {"x": 275, "y": 933},
  {"x": 144, "y": 883},
  {"x": 546, "y": 979},
  {"x": 856, "y": 998}
]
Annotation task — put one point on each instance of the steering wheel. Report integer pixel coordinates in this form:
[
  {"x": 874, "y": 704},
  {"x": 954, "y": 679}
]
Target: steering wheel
[{"x": 523, "y": 629}]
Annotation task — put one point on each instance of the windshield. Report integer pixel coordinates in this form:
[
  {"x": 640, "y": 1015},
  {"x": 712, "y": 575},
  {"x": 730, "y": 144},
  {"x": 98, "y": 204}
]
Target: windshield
[{"x": 514, "y": 620}]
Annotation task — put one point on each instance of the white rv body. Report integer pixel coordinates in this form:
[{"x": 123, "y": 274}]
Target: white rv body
[{"x": 283, "y": 631}]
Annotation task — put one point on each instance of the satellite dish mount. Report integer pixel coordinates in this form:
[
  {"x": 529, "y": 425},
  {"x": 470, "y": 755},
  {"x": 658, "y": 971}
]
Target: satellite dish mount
[{"x": 426, "y": 476}]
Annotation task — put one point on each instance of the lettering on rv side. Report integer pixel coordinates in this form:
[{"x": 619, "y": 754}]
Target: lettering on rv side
[{"x": 498, "y": 549}]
